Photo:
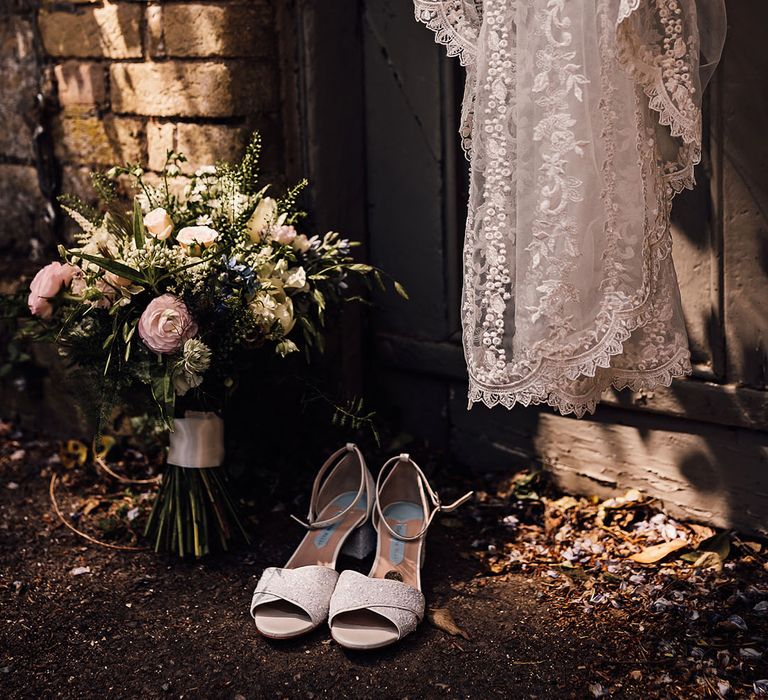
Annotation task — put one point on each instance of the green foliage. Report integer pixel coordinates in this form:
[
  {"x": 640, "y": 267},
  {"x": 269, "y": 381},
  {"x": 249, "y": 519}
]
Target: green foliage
[
  {"x": 257, "y": 285},
  {"x": 352, "y": 416},
  {"x": 247, "y": 175}
]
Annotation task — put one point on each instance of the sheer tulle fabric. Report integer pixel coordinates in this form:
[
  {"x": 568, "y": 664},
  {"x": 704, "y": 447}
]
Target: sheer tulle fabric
[{"x": 581, "y": 120}]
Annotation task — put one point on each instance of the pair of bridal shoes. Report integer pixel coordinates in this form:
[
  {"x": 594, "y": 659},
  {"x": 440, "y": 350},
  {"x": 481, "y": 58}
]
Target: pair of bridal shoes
[{"x": 350, "y": 513}]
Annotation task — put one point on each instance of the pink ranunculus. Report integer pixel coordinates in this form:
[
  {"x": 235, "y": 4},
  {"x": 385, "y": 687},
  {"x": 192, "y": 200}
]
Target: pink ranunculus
[
  {"x": 47, "y": 283},
  {"x": 284, "y": 234},
  {"x": 166, "y": 324}
]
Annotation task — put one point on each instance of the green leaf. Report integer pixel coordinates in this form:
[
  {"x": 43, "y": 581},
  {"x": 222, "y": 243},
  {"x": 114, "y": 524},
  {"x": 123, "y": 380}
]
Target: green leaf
[
  {"x": 138, "y": 225},
  {"x": 163, "y": 393},
  {"x": 109, "y": 340},
  {"x": 129, "y": 329},
  {"x": 319, "y": 299},
  {"x": 112, "y": 266},
  {"x": 719, "y": 544},
  {"x": 401, "y": 291}
]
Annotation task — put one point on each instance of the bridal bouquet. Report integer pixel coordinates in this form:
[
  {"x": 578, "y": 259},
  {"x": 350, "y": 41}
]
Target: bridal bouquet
[{"x": 170, "y": 296}]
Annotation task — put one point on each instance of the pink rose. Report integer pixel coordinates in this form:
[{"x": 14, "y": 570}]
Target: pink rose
[
  {"x": 193, "y": 239},
  {"x": 47, "y": 283},
  {"x": 158, "y": 224},
  {"x": 284, "y": 235},
  {"x": 166, "y": 324}
]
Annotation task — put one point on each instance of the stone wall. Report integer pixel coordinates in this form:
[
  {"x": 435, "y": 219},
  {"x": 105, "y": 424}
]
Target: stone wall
[
  {"x": 85, "y": 84},
  {"x": 89, "y": 83}
]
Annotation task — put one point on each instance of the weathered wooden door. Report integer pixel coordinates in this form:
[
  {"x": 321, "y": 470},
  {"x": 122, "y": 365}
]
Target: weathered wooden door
[{"x": 701, "y": 445}]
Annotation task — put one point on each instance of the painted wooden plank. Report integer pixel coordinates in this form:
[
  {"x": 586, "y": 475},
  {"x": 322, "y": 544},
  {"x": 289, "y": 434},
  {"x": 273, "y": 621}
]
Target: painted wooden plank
[
  {"x": 745, "y": 105},
  {"x": 693, "y": 399},
  {"x": 404, "y": 151},
  {"x": 692, "y": 253},
  {"x": 331, "y": 149},
  {"x": 713, "y": 475},
  {"x": 699, "y": 471},
  {"x": 722, "y": 404},
  {"x": 333, "y": 121},
  {"x": 412, "y": 405}
]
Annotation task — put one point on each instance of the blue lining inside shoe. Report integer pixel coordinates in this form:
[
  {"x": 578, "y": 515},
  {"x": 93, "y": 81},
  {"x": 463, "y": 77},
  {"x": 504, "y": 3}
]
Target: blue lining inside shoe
[{"x": 398, "y": 515}]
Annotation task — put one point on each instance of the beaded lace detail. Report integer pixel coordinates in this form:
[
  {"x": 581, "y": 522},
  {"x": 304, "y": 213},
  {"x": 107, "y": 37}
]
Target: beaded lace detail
[{"x": 578, "y": 141}]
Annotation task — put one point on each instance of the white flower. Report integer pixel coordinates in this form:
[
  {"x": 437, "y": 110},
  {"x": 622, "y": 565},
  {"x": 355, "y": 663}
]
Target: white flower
[
  {"x": 268, "y": 308},
  {"x": 295, "y": 278},
  {"x": 183, "y": 382},
  {"x": 301, "y": 243},
  {"x": 193, "y": 239},
  {"x": 196, "y": 356},
  {"x": 196, "y": 359},
  {"x": 103, "y": 244},
  {"x": 158, "y": 224},
  {"x": 206, "y": 170},
  {"x": 262, "y": 219},
  {"x": 284, "y": 314},
  {"x": 143, "y": 201}
]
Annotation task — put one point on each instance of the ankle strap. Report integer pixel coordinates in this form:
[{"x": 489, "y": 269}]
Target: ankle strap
[
  {"x": 334, "y": 460},
  {"x": 425, "y": 488}
]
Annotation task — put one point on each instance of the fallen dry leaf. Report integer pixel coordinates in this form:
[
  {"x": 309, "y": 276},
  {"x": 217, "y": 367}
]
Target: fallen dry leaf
[
  {"x": 90, "y": 504},
  {"x": 719, "y": 545},
  {"x": 73, "y": 453},
  {"x": 443, "y": 620},
  {"x": 709, "y": 560},
  {"x": 756, "y": 547},
  {"x": 564, "y": 503},
  {"x": 103, "y": 445},
  {"x": 650, "y": 555},
  {"x": 702, "y": 532}
]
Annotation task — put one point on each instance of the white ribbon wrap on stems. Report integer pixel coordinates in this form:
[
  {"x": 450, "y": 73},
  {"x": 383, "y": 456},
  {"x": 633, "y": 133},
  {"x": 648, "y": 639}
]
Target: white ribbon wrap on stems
[{"x": 197, "y": 441}]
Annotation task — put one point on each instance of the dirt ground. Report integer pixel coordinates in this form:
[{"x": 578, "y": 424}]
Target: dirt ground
[{"x": 137, "y": 625}]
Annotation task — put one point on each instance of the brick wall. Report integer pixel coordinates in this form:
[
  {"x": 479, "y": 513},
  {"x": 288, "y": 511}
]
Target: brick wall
[
  {"x": 88, "y": 83},
  {"x": 124, "y": 81}
]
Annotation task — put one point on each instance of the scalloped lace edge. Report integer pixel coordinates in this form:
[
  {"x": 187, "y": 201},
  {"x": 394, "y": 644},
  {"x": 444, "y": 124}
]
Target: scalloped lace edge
[
  {"x": 445, "y": 33},
  {"x": 668, "y": 114},
  {"x": 678, "y": 366},
  {"x": 626, "y": 9}
]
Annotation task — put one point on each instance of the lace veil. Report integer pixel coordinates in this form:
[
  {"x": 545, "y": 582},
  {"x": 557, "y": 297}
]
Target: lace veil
[{"x": 581, "y": 120}]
